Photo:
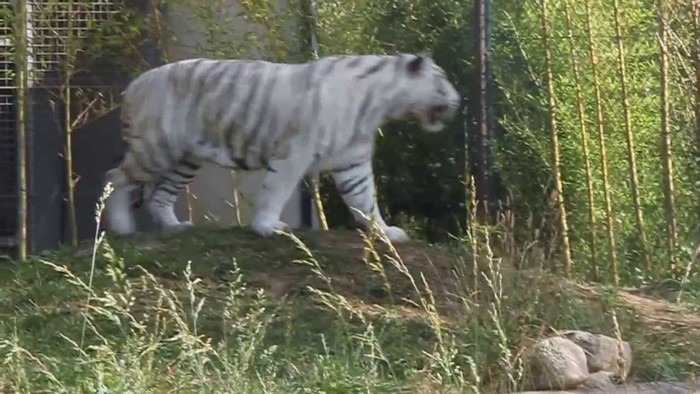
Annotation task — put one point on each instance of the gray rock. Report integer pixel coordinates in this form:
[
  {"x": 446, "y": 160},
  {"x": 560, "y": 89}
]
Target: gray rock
[
  {"x": 602, "y": 353},
  {"x": 634, "y": 388},
  {"x": 601, "y": 380},
  {"x": 558, "y": 363}
]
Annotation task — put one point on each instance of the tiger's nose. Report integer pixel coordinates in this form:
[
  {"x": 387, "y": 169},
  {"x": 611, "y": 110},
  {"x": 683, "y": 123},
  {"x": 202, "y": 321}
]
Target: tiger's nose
[
  {"x": 455, "y": 102},
  {"x": 452, "y": 108}
]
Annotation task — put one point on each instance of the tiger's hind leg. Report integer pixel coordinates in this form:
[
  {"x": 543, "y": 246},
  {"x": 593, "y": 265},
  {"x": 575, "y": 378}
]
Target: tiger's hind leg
[
  {"x": 118, "y": 212},
  {"x": 161, "y": 202}
]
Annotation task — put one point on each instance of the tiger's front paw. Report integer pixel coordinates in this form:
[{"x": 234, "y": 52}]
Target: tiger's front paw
[
  {"x": 265, "y": 228},
  {"x": 396, "y": 234},
  {"x": 176, "y": 228}
]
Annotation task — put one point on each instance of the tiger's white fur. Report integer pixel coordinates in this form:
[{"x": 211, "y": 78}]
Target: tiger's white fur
[{"x": 291, "y": 119}]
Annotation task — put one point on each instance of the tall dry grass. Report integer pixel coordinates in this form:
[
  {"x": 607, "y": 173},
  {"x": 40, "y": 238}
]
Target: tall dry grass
[{"x": 143, "y": 333}]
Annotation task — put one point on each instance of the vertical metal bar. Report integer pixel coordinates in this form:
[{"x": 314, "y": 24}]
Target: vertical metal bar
[
  {"x": 482, "y": 135},
  {"x": 21, "y": 75},
  {"x": 696, "y": 28},
  {"x": 491, "y": 181},
  {"x": 696, "y": 61}
]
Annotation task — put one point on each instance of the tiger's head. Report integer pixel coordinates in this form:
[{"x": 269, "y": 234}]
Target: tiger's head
[{"x": 430, "y": 98}]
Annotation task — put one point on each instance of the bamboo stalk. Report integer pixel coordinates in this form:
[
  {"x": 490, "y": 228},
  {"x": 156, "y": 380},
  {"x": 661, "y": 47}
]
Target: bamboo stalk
[
  {"x": 609, "y": 226},
  {"x": 318, "y": 203},
  {"x": 314, "y": 183},
  {"x": 470, "y": 214},
  {"x": 237, "y": 208},
  {"x": 467, "y": 180},
  {"x": 189, "y": 197},
  {"x": 158, "y": 30},
  {"x": 584, "y": 143},
  {"x": 236, "y": 204},
  {"x": 631, "y": 155},
  {"x": 471, "y": 226},
  {"x": 68, "y": 137},
  {"x": 70, "y": 181},
  {"x": 21, "y": 75},
  {"x": 666, "y": 156},
  {"x": 554, "y": 140}
]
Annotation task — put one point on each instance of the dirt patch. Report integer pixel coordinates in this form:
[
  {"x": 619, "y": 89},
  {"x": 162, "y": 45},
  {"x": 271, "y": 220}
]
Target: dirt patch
[
  {"x": 422, "y": 271},
  {"x": 660, "y": 312},
  {"x": 657, "y": 313}
]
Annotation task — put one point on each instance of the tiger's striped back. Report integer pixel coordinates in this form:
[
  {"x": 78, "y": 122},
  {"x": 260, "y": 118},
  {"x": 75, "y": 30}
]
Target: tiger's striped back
[{"x": 210, "y": 106}]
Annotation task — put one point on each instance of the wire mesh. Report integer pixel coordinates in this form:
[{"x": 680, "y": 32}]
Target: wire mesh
[
  {"x": 8, "y": 138},
  {"x": 57, "y": 25},
  {"x": 58, "y": 28},
  {"x": 56, "y": 31}
]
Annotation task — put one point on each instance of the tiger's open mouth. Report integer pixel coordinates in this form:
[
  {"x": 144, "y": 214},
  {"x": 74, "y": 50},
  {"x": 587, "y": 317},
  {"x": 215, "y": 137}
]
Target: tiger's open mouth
[
  {"x": 433, "y": 118},
  {"x": 437, "y": 113}
]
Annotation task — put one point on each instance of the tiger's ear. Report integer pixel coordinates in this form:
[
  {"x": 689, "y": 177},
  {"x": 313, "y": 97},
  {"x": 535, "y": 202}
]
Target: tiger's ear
[
  {"x": 426, "y": 54},
  {"x": 416, "y": 64}
]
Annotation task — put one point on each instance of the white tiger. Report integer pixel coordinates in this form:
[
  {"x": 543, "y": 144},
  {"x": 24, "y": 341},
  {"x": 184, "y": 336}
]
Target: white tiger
[{"x": 291, "y": 119}]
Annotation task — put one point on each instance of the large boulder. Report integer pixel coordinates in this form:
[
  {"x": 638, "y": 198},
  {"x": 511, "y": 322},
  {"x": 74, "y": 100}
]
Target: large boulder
[
  {"x": 603, "y": 353},
  {"x": 577, "y": 359},
  {"x": 558, "y": 363}
]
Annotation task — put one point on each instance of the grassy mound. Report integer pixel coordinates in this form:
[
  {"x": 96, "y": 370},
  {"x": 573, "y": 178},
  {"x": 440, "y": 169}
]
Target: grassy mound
[{"x": 222, "y": 310}]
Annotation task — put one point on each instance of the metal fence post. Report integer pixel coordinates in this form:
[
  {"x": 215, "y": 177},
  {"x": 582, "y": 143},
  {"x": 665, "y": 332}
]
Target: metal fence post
[{"x": 483, "y": 135}]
